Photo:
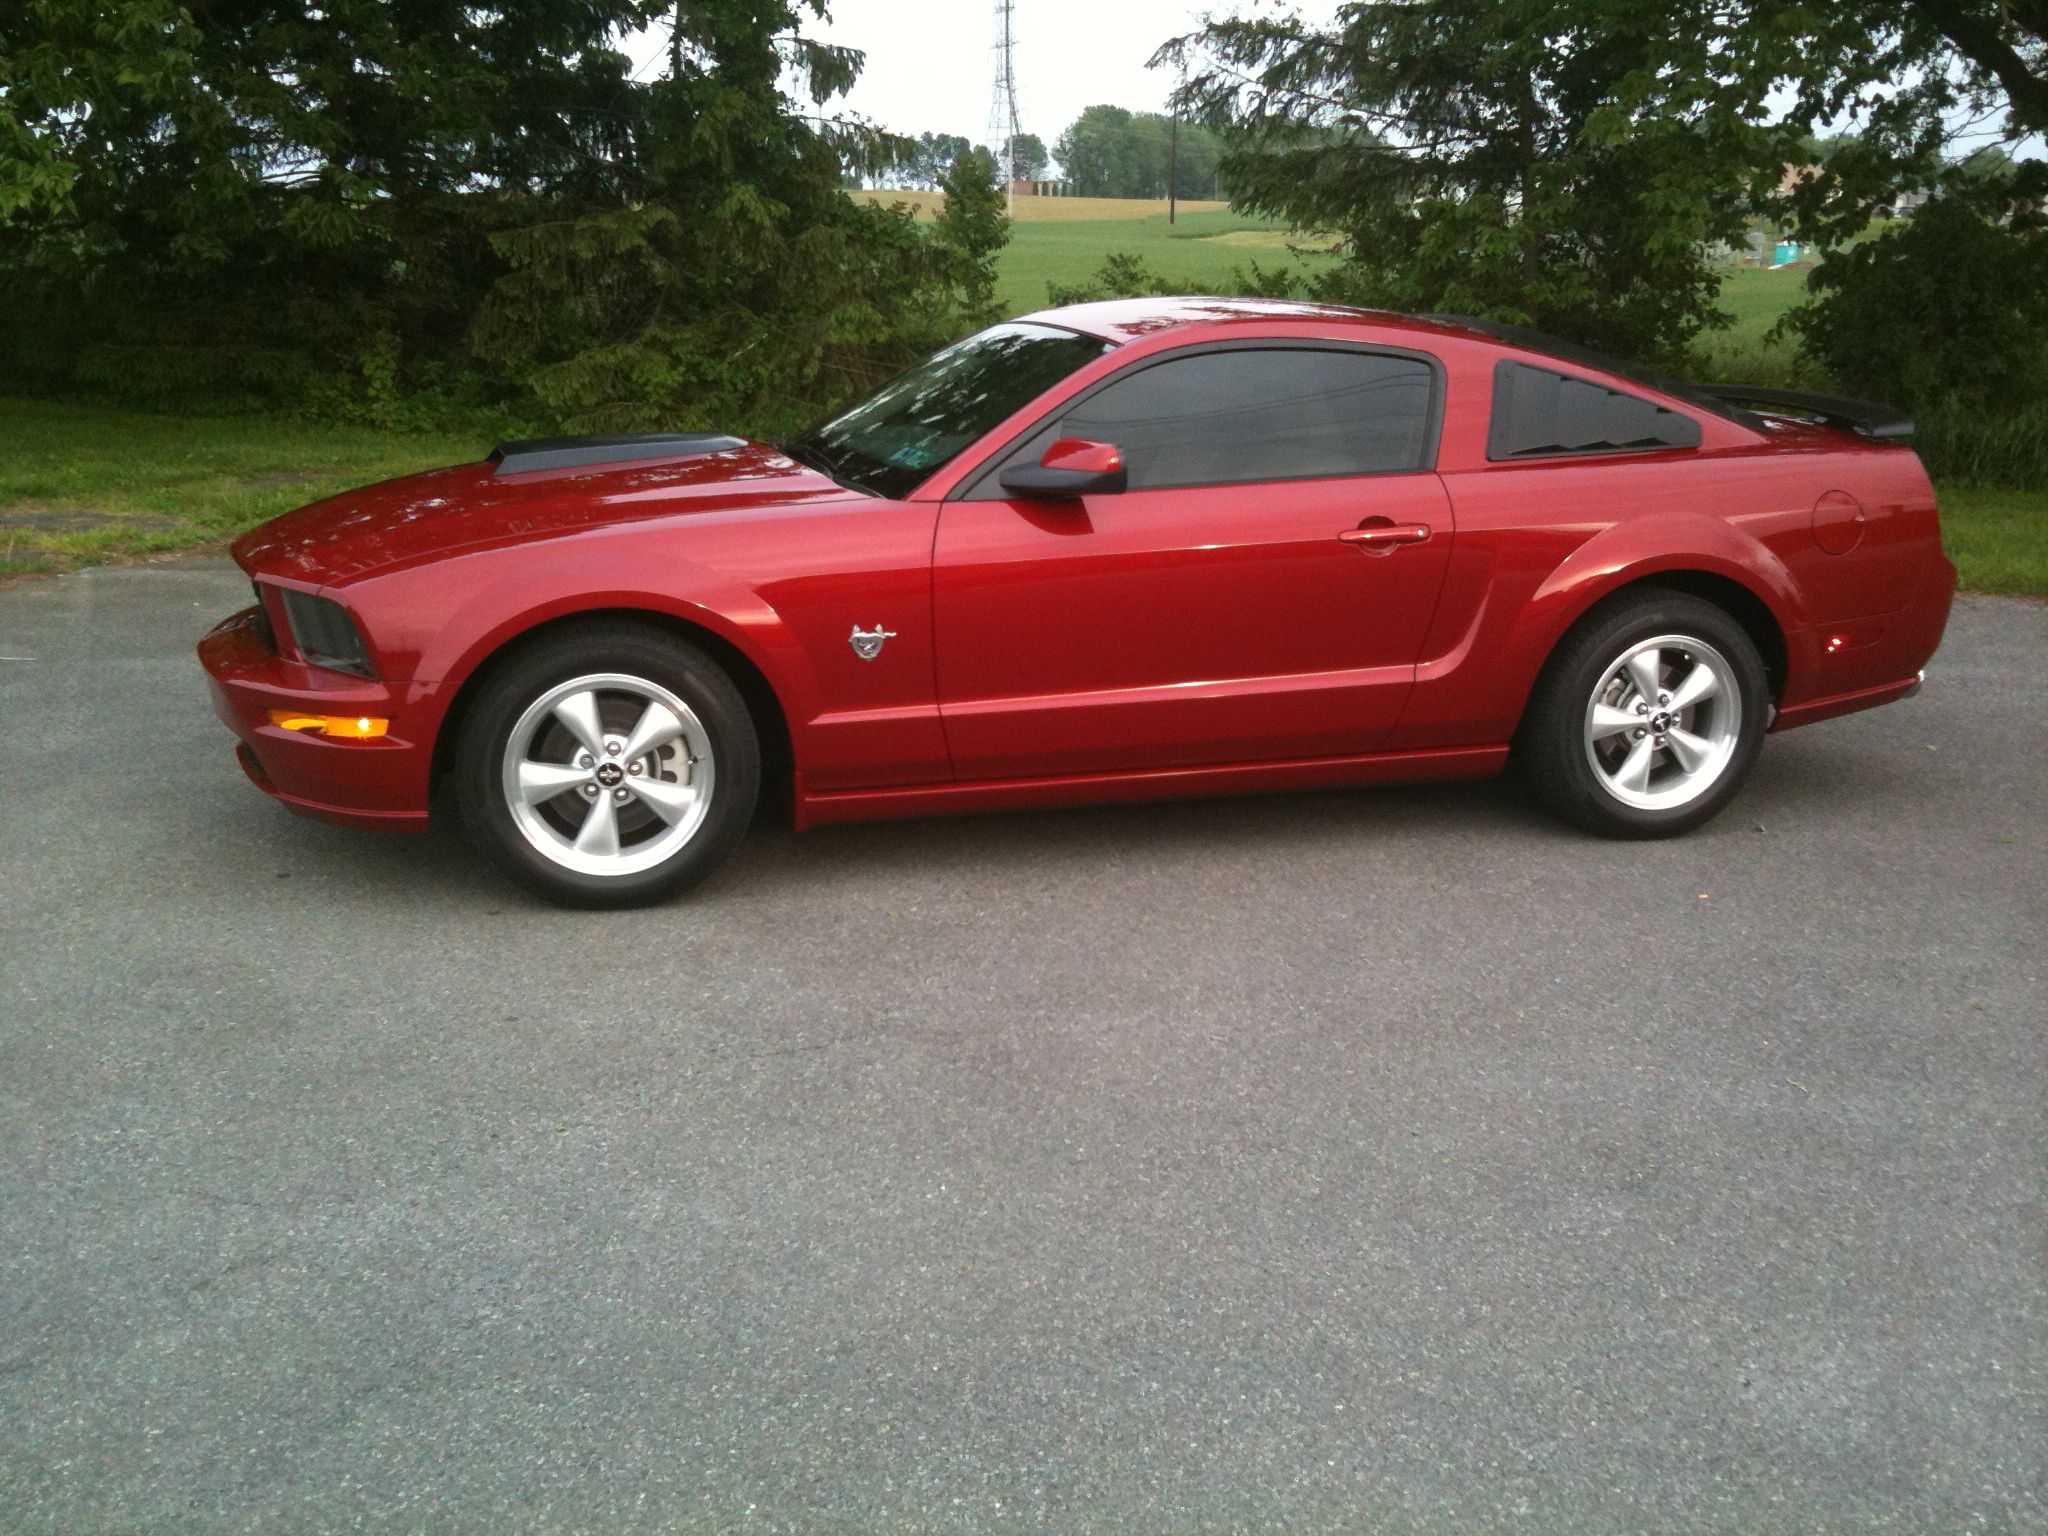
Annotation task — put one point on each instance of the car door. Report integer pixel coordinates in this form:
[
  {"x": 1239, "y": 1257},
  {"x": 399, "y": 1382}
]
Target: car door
[{"x": 1260, "y": 592}]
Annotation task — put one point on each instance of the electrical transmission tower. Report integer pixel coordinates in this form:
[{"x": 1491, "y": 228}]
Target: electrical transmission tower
[{"x": 1003, "y": 117}]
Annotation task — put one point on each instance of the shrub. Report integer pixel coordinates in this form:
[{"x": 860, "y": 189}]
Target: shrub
[
  {"x": 1966, "y": 446},
  {"x": 1947, "y": 310}
]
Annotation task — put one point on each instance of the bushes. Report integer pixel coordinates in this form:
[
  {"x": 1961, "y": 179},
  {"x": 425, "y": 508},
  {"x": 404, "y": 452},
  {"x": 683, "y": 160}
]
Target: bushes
[
  {"x": 1949, "y": 308},
  {"x": 2002, "y": 450},
  {"x": 399, "y": 216}
]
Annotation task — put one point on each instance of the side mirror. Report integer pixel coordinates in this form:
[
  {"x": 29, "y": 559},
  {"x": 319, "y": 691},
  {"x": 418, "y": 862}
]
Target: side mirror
[{"x": 1073, "y": 466}]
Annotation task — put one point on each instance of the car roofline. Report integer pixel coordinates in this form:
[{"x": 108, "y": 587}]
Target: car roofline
[{"x": 1121, "y": 321}]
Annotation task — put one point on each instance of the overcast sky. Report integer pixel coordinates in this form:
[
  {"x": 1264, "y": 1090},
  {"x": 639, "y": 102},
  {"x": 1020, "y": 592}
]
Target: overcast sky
[{"x": 931, "y": 63}]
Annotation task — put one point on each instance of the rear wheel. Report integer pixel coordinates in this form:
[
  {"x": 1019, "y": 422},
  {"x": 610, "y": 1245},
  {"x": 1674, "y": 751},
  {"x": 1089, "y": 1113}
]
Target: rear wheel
[
  {"x": 1648, "y": 717},
  {"x": 609, "y": 767}
]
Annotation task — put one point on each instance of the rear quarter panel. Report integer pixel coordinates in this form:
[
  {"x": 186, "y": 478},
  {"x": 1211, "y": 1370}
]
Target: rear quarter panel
[{"x": 1539, "y": 542}]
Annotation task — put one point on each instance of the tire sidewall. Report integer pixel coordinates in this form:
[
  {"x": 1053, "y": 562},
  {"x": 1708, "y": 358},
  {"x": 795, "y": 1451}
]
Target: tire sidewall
[{"x": 675, "y": 665}]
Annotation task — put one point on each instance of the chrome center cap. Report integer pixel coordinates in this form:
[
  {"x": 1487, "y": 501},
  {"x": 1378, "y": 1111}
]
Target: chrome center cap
[
  {"x": 610, "y": 775},
  {"x": 1661, "y": 721}
]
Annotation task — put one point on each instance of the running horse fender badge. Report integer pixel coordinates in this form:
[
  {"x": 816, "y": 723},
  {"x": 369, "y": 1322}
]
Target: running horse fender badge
[{"x": 867, "y": 643}]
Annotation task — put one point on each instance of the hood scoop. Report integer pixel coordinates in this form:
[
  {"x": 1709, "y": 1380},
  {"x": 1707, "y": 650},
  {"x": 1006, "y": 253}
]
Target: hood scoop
[{"x": 582, "y": 452}]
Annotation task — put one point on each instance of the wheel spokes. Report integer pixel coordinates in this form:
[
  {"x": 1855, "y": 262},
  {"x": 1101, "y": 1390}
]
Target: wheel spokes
[
  {"x": 1634, "y": 773},
  {"x": 578, "y": 714},
  {"x": 1645, "y": 671},
  {"x": 1699, "y": 684},
  {"x": 1691, "y": 751},
  {"x": 1609, "y": 721},
  {"x": 657, "y": 727},
  {"x": 671, "y": 802},
  {"x": 544, "y": 781},
  {"x": 600, "y": 833}
]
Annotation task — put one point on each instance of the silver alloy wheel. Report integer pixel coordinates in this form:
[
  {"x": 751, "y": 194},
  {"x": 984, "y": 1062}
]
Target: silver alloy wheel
[
  {"x": 608, "y": 774},
  {"x": 1663, "y": 722}
]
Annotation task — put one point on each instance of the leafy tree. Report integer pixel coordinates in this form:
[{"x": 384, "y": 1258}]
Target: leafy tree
[
  {"x": 1948, "y": 314},
  {"x": 1542, "y": 161},
  {"x": 1919, "y": 81},
  {"x": 1112, "y": 152},
  {"x": 1567, "y": 162},
  {"x": 929, "y": 157},
  {"x": 971, "y": 229},
  {"x": 1027, "y": 153},
  {"x": 348, "y": 204},
  {"x": 1096, "y": 152},
  {"x": 256, "y": 194},
  {"x": 1946, "y": 308},
  {"x": 735, "y": 283}
]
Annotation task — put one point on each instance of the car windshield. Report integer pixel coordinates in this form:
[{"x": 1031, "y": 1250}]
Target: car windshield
[{"x": 921, "y": 419}]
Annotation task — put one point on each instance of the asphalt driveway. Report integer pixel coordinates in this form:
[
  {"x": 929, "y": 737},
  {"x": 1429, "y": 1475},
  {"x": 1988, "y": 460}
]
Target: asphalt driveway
[{"x": 1360, "y": 1161}]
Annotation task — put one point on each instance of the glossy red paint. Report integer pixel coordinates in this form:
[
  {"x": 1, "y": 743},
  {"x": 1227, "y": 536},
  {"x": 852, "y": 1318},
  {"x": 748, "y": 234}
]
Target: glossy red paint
[
  {"x": 1153, "y": 642},
  {"x": 1083, "y": 457}
]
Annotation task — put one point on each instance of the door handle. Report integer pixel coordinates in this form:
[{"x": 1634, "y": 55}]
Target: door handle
[{"x": 1382, "y": 537}]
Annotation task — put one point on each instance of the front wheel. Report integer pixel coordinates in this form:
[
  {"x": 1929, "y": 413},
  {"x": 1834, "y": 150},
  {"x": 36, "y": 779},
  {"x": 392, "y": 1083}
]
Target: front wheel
[
  {"x": 610, "y": 767},
  {"x": 1648, "y": 717}
]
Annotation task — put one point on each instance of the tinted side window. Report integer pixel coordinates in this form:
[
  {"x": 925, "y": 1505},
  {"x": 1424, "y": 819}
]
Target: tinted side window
[
  {"x": 1228, "y": 417},
  {"x": 1537, "y": 413}
]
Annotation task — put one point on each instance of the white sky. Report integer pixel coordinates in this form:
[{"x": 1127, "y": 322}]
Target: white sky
[{"x": 931, "y": 63}]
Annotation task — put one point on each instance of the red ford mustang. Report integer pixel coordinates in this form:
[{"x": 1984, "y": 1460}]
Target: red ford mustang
[{"x": 1146, "y": 548}]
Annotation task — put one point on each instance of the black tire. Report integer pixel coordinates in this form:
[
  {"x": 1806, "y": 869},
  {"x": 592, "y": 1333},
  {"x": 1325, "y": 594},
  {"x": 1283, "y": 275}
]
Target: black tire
[
  {"x": 719, "y": 714},
  {"x": 1552, "y": 748}
]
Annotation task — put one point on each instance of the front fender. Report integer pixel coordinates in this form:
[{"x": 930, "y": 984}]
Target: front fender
[{"x": 438, "y": 624}]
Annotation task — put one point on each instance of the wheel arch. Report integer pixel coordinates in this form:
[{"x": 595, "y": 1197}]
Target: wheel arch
[
  {"x": 764, "y": 705},
  {"x": 1737, "y": 599}
]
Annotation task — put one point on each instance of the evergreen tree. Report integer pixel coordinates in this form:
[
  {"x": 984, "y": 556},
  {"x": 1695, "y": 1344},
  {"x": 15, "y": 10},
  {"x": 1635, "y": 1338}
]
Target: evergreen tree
[{"x": 277, "y": 203}]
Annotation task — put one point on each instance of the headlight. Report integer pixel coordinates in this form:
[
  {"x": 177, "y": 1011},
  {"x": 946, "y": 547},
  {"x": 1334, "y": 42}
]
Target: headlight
[{"x": 324, "y": 633}]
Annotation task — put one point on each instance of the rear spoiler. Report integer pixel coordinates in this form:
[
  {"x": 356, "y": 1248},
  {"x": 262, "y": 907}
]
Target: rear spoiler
[{"x": 1886, "y": 423}]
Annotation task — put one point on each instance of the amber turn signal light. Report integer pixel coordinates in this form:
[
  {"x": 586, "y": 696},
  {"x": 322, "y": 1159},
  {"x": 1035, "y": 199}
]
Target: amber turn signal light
[{"x": 352, "y": 727}]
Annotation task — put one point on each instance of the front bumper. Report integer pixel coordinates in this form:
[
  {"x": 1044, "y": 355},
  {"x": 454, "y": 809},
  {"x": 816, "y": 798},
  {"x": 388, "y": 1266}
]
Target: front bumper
[{"x": 381, "y": 782}]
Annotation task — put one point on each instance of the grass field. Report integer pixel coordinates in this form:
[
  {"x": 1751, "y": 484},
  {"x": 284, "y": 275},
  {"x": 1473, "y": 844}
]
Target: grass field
[
  {"x": 1998, "y": 539},
  {"x": 1064, "y": 239},
  {"x": 81, "y": 482}
]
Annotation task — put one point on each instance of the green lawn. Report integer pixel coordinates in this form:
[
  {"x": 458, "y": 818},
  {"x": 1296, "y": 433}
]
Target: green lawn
[
  {"x": 1066, "y": 239},
  {"x": 1998, "y": 539},
  {"x": 1197, "y": 252},
  {"x": 81, "y": 483},
  {"x": 1745, "y": 353}
]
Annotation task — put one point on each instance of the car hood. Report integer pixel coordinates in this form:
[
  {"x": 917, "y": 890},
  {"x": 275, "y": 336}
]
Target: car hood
[{"x": 469, "y": 507}]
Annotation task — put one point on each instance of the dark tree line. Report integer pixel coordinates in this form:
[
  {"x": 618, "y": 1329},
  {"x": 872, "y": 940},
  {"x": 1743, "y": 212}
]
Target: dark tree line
[{"x": 387, "y": 198}]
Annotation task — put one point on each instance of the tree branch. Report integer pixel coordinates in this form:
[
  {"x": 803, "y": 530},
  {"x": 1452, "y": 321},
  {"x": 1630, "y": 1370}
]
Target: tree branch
[{"x": 1979, "y": 39}]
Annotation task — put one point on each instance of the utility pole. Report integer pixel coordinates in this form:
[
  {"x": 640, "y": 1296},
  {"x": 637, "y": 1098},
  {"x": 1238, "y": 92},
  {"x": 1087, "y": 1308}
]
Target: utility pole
[{"x": 1004, "y": 125}]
